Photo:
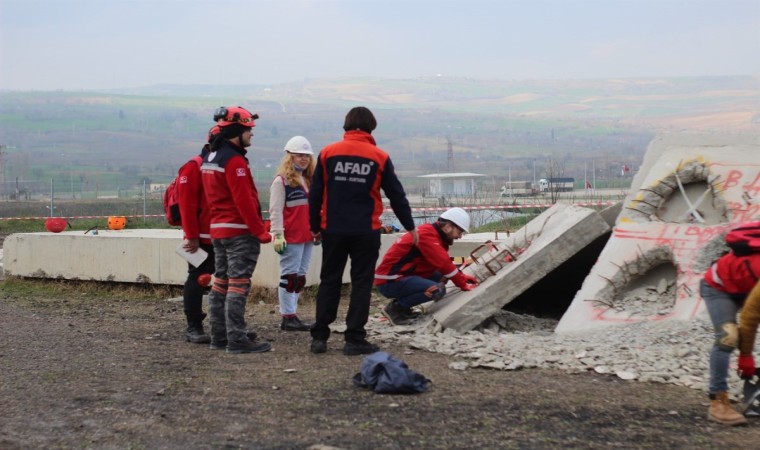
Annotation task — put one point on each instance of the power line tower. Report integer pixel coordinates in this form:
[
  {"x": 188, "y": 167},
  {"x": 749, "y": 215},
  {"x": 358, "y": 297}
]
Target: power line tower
[
  {"x": 2, "y": 169},
  {"x": 450, "y": 155}
]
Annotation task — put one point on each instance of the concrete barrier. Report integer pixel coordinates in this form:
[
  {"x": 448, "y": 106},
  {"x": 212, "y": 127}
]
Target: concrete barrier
[{"x": 138, "y": 256}]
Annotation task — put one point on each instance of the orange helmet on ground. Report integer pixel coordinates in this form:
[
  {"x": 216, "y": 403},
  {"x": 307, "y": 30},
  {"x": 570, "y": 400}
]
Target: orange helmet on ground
[
  {"x": 117, "y": 222},
  {"x": 235, "y": 114}
]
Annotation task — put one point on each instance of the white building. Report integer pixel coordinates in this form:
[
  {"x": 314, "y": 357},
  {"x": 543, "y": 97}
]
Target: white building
[{"x": 452, "y": 183}]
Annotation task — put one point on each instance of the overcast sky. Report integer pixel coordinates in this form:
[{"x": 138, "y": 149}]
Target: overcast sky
[{"x": 93, "y": 44}]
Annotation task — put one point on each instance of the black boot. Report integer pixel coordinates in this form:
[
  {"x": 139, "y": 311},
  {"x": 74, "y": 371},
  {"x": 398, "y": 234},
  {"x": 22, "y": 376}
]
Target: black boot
[
  {"x": 195, "y": 333},
  {"x": 221, "y": 344},
  {"x": 398, "y": 315},
  {"x": 248, "y": 346},
  {"x": 293, "y": 323}
]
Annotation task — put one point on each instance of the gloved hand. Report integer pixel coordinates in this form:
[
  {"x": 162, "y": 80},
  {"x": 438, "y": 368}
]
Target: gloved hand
[
  {"x": 464, "y": 282},
  {"x": 265, "y": 238},
  {"x": 746, "y": 366},
  {"x": 279, "y": 243}
]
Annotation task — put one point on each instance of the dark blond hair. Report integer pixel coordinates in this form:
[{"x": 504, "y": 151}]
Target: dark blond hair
[{"x": 289, "y": 173}]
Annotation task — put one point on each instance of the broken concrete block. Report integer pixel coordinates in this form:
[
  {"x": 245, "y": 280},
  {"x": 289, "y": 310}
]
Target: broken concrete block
[{"x": 541, "y": 246}]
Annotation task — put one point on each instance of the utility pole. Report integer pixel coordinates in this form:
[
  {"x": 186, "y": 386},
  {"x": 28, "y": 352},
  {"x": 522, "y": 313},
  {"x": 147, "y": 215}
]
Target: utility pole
[
  {"x": 2, "y": 169},
  {"x": 450, "y": 155}
]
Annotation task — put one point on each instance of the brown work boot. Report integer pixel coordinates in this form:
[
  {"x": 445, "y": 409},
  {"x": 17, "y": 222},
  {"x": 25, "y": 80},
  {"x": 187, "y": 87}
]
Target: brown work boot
[{"x": 722, "y": 412}]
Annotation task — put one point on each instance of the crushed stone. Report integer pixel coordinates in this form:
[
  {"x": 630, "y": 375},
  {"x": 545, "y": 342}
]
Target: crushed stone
[{"x": 673, "y": 352}]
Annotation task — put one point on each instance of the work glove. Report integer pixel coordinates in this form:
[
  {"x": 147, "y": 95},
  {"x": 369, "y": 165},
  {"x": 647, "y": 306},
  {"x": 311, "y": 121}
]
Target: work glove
[
  {"x": 265, "y": 238},
  {"x": 279, "y": 243},
  {"x": 746, "y": 366},
  {"x": 464, "y": 282},
  {"x": 204, "y": 279}
]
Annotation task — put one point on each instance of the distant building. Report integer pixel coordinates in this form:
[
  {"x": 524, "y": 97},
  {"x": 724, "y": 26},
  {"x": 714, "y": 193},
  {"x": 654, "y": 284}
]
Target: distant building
[{"x": 452, "y": 183}]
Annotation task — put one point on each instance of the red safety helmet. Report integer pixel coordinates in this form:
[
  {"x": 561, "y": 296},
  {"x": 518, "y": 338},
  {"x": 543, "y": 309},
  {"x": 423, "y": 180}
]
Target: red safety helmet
[
  {"x": 235, "y": 114},
  {"x": 56, "y": 224},
  {"x": 213, "y": 132}
]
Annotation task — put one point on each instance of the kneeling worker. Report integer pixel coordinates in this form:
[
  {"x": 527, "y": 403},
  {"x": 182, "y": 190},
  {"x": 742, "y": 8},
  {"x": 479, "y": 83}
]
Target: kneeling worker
[{"x": 415, "y": 274}]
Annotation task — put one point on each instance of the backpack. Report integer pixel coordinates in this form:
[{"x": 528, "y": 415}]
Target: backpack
[
  {"x": 745, "y": 239},
  {"x": 171, "y": 197}
]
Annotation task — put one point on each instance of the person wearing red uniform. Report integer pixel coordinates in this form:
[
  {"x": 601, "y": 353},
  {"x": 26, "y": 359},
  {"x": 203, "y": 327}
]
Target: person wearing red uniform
[
  {"x": 345, "y": 205},
  {"x": 196, "y": 218},
  {"x": 414, "y": 274},
  {"x": 724, "y": 289},
  {"x": 237, "y": 229},
  {"x": 289, "y": 216}
]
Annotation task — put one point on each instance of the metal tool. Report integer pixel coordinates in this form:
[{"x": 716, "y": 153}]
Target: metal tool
[{"x": 752, "y": 395}]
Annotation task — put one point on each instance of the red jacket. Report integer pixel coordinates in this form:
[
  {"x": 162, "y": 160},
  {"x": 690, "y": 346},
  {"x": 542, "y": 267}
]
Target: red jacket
[
  {"x": 734, "y": 274},
  {"x": 196, "y": 216},
  {"x": 430, "y": 255},
  {"x": 231, "y": 193},
  {"x": 345, "y": 193}
]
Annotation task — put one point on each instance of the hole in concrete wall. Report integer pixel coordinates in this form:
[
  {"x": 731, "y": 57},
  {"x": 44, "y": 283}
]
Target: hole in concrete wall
[
  {"x": 666, "y": 202},
  {"x": 551, "y": 296},
  {"x": 677, "y": 210},
  {"x": 651, "y": 294},
  {"x": 643, "y": 286}
]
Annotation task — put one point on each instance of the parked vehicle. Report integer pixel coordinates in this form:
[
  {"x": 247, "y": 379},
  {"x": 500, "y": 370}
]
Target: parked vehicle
[
  {"x": 518, "y": 189},
  {"x": 556, "y": 184}
]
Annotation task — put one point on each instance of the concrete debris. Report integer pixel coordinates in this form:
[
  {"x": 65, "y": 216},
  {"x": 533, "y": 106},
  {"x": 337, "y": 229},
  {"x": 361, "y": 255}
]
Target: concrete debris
[{"x": 673, "y": 352}]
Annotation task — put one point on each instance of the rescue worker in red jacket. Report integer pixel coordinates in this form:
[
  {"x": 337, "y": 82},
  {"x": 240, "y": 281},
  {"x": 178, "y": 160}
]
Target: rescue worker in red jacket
[
  {"x": 196, "y": 218},
  {"x": 237, "y": 230},
  {"x": 415, "y": 274},
  {"x": 345, "y": 205},
  {"x": 724, "y": 289}
]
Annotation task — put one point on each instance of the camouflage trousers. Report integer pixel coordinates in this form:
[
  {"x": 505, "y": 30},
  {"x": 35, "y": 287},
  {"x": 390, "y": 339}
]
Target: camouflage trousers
[{"x": 235, "y": 260}]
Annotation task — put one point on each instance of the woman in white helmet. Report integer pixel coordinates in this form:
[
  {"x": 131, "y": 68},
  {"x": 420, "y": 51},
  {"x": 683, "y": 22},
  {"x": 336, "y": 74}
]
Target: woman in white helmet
[
  {"x": 289, "y": 215},
  {"x": 414, "y": 274}
]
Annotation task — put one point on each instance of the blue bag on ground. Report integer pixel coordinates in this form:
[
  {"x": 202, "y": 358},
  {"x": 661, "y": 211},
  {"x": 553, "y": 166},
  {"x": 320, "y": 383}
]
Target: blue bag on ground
[{"x": 385, "y": 374}]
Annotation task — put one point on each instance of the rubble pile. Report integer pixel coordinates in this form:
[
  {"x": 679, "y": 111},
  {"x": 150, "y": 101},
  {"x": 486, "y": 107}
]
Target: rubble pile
[{"x": 673, "y": 352}]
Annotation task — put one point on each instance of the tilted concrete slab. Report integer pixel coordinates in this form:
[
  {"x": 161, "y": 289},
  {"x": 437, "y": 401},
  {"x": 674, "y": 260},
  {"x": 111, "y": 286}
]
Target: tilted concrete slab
[
  {"x": 542, "y": 245},
  {"x": 131, "y": 256},
  {"x": 690, "y": 189}
]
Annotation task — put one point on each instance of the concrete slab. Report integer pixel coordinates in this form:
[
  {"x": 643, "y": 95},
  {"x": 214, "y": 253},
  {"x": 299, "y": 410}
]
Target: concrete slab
[
  {"x": 542, "y": 245},
  {"x": 690, "y": 189},
  {"x": 132, "y": 256}
]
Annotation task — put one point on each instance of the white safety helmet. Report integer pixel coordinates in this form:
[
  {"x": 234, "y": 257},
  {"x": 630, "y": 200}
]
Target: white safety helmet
[
  {"x": 299, "y": 144},
  {"x": 459, "y": 217}
]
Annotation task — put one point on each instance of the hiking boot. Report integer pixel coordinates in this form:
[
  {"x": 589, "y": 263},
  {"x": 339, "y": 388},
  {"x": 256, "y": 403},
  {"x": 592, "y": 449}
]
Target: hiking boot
[
  {"x": 248, "y": 346},
  {"x": 362, "y": 347},
  {"x": 318, "y": 346},
  {"x": 195, "y": 334},
  {"x": 722, "y": 412},
  {"x": 398, "y": 315},
  {"x": 293, "y": 323},
  {"x": 222, "y": 343},
  {"x": 218, "y": 345}
]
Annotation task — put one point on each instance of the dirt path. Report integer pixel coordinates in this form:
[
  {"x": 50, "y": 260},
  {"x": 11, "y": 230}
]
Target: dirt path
[{"x": 88, "y": 370}]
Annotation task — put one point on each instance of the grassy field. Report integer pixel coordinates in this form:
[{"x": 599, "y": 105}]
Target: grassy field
[{"x": 103, "y": 143}]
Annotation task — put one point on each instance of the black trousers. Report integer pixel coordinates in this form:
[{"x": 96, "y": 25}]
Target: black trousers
[
  {"x": 192, "y": 294},
  {"x": 336, "y": 249}
]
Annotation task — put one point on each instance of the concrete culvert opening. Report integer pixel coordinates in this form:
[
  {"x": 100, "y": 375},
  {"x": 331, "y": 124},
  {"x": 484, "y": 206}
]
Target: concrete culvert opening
[{"x": 551, "y": 296}]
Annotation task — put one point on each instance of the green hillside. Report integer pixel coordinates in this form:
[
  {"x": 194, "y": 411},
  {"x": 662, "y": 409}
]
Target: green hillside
[{"x": 111, "y": 142}]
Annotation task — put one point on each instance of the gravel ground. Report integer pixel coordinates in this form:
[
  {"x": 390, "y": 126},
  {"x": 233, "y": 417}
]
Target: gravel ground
[{"x": 82, "y": 366}]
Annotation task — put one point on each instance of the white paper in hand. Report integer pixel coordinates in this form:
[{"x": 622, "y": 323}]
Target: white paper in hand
[{"x": 196, "y": 258}]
